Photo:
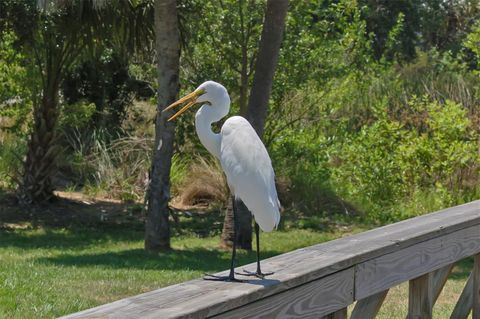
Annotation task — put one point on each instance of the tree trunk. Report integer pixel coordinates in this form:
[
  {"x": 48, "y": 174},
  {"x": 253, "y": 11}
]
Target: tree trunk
[
  {"x": 36, "y": 184},
  {"x": 244, "y": 82},
  {"x": 244, "y": 219},
  {"x": 157, "y": 230},
  {"x": 265, "y": 65}
]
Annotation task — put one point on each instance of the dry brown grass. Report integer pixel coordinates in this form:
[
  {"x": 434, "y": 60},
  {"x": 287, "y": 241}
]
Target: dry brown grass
[{"x": 204, "y": 184}]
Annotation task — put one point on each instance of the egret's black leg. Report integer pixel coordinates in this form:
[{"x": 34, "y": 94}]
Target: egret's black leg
[
  {"x": 257, "y": 236},
  {"x": 231, "y": 276},
  {"x": 259, "y": 272}
]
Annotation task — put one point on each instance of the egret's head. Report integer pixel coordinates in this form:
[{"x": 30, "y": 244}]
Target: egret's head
[{"x": 210, "y": 92}]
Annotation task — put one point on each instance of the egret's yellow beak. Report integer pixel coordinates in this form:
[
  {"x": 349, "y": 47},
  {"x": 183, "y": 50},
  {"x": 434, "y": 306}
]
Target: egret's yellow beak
[{"x": 190, "y": 98}]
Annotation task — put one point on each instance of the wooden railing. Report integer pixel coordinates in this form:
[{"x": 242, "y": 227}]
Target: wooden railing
[{"x": 322, "y": 280}]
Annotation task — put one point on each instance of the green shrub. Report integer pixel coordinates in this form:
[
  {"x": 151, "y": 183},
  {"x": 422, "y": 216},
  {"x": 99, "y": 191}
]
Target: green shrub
[
  {"x": 301, "y": 156},
  {"x": 389, "y": 163},
  {"x": 472, "y": 42},
  {"x": 77, "y": 115},
  {"x": 15, "y": 93}
]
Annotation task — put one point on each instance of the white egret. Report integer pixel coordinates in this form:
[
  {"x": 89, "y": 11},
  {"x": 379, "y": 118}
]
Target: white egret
[{"x": 243, "y": 157}]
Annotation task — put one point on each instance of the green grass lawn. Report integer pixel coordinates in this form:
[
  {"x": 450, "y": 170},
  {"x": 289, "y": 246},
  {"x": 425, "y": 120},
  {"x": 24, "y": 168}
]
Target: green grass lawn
[
  {"x": 46, "y": 273},
  {"x": 49, "y": 272}
]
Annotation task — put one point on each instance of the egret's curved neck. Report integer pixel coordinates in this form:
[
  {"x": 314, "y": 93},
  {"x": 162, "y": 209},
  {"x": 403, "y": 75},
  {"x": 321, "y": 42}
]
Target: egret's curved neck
[{"x": 204, "y": 118}]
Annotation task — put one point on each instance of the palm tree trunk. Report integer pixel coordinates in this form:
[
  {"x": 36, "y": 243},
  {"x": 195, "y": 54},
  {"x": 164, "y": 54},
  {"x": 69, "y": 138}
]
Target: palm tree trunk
[
  {"x": 157, "y": 229},
  {"x": 265, "y": 65},
  {"x": 36, "y": 185}
]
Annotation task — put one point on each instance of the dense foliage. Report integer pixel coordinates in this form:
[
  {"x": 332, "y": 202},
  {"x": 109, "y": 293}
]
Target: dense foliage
[{"x": 375, "y": 107}]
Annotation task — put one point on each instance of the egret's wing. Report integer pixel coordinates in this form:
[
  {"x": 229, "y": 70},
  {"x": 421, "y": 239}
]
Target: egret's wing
[{"x": 249, "y": 171}]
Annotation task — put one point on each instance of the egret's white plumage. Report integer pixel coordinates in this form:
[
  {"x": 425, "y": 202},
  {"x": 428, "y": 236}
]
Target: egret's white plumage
[
  {"x": 249, "y": 171},
  {"x": 244, "y": 160},
  {"x": 242, "y": 154}
]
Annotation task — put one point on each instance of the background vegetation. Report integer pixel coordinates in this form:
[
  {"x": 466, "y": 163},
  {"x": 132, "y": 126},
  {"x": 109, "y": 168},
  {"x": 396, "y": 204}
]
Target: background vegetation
[
  {"x": 374, "y": 108},
  {"x": 374, "y": 117}
]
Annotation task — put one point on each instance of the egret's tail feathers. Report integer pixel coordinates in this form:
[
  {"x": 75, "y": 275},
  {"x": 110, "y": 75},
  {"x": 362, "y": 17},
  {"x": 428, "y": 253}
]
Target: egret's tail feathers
[
  {"x": 267, "y": 217},
  {"x": 278, "y": 219},
  {"x": 263, "y": 205}
]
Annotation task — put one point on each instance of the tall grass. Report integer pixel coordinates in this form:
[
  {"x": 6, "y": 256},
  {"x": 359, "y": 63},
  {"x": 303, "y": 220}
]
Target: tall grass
[
  {"x": 111, "y": 166},
  {"x": 179, "y": 173},
  {"x": 117, "y": 167}
]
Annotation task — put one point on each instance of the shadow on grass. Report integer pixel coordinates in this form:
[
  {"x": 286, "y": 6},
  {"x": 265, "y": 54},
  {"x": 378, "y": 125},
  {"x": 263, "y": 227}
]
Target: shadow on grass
[
  {"x": 80, "y": 236},
  {"x": 202, "y": 224},
  {"x": 62, "y": 239},
  {"x": 198, "y": 259},
  {"x": 201, "y": 259}
]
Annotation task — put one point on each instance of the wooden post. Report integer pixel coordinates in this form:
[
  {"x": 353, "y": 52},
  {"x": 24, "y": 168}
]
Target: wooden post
[
  {"x": 476, "y": 287},
  {"x": 465, "y": 301},
  {"x": 438, "y": 280},
  {"x": 368, "y": 308},
  {"x": 420, "y": 298}
]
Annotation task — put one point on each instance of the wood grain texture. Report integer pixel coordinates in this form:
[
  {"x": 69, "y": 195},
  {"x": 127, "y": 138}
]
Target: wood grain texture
[
  {"x": 368, "y": 308},
  {"x": 339, "y": 314},
  {"x": 465, "y": 301},
  {"x": 391, "y": 269},
  {"x": 476, "y": 287},
  {"x": 311, "y": 300},
  {"x": 199, "y": 298},
  {"x": 420, "y": 299}
]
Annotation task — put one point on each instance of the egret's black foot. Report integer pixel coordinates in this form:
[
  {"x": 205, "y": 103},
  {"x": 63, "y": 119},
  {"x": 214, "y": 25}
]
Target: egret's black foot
[
  {"x": 221, "y": 278},
  {"x": 258, "y": 274}
]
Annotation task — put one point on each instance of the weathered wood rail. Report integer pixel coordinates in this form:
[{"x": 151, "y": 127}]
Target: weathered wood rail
[{"x": 322, "y": 280}]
